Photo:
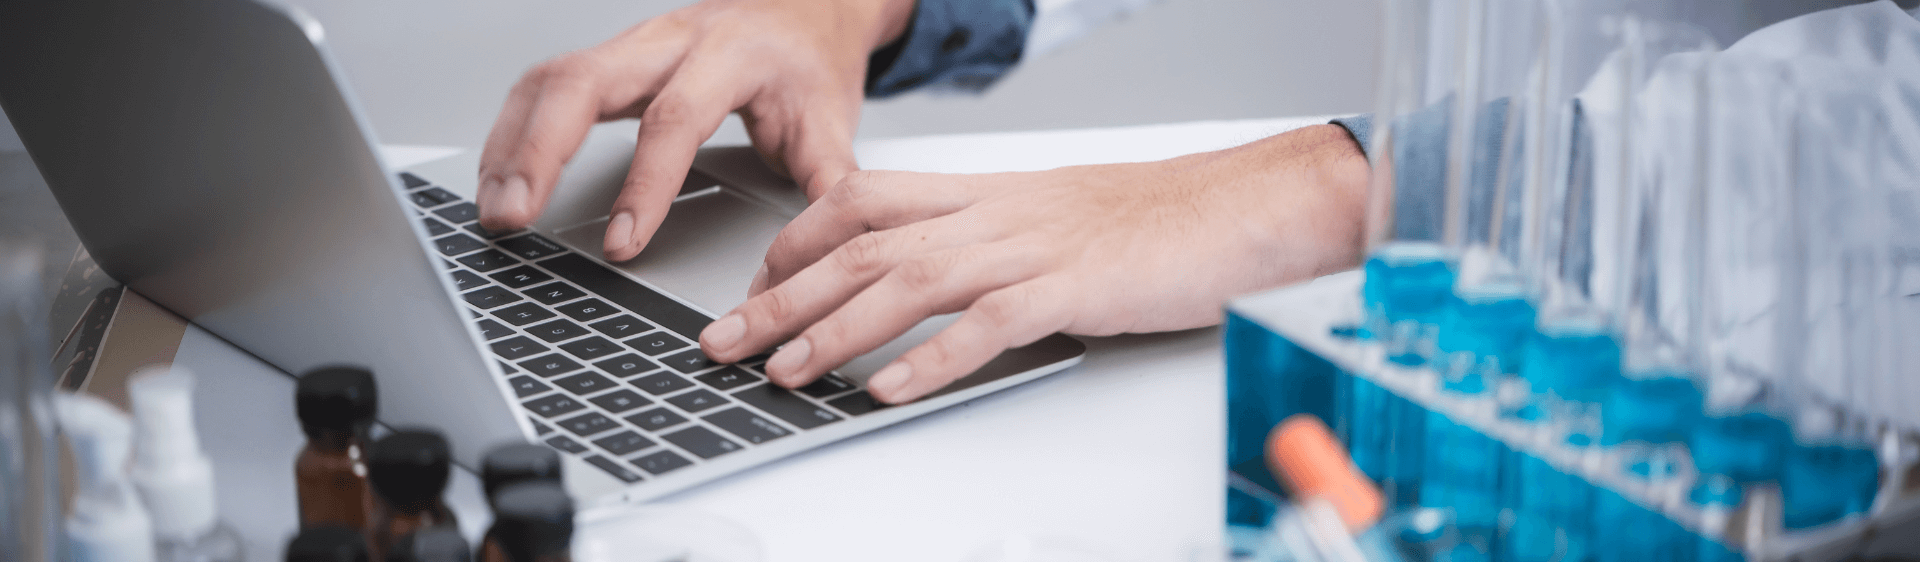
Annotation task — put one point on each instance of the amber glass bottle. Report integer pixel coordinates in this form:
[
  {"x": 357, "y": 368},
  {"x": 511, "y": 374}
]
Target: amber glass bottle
[
  {"x": 512, "y": 464},
  {"x": 408, "y": 470},
  {"x": 532, "y": 522},
  {"x": 328, "y": 543},
  {"x": 336, "y": 406}
]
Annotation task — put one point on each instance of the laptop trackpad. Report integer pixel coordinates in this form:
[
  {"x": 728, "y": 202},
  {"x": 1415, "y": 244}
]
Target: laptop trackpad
[{"x": 707, "y": 251}]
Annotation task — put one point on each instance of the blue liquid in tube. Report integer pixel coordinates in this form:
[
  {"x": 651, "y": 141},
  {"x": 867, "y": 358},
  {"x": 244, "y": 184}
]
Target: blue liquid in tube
[
  {"x": 1660, "y": 408},
  {"x": 1824, "y": 483},
  {"x": 1462, "y": 472},
  {"x": 1406, "y": 289},
  {"x": 1576, "y": 360},
  {"x": 1743, "y": 447}
]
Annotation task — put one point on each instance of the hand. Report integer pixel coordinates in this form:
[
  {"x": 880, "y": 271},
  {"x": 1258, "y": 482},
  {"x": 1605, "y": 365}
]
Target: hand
[
  {"x": 1093, "y": 250},
  {"x": 794, "y": 69}
]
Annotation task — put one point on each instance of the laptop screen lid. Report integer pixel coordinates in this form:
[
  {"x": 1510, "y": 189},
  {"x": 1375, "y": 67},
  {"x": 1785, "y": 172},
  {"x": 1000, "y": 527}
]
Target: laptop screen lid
[{"x": 209, "y": 157}]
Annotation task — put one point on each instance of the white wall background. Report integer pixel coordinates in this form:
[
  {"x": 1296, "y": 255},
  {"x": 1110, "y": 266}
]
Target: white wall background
[{"x": 436, "y": 71}]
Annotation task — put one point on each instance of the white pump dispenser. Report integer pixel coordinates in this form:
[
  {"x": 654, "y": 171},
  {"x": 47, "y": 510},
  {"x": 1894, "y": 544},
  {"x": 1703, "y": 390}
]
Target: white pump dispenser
[
  {"x": 174, "y": 476},
  {"x": 108, "y": 523}
]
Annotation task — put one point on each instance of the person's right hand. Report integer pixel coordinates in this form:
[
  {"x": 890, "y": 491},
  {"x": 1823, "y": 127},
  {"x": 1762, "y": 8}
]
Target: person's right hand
[{"x": 794, "y": 69}]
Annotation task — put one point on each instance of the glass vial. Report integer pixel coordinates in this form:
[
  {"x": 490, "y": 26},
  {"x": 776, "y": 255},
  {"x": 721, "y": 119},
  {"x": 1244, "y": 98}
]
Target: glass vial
[
  {"x": 336, "y": 405},
  {"x": 408, "y": 471},
  {"x": 328, "y": 543},
  {"x": 432, "y": 544},
  {"x": 532, "y": 522}
]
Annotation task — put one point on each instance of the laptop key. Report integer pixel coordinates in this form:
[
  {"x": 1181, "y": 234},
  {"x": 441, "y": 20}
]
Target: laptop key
[
  {"x": 505, "y": 368},
  {"x": 649, "y": 304},
  {"x": 688, "y": 361},
  {"x": 486, "y": 260},
  {"x": 550, "y": 365},
  {"x": 561, "y": 442},
  {"x": 412, "y": 181},
  {"x": 457, "y": 244},
  {"x": 702, "y": 441},
  {"x": 585, "y": 383},
  {"x": 857, "y": 404},
  {"x": 697, "y": 401},
  {"x": 593, "y": 347},
  {"x": 661, "y": 383},
  {"x": 432, "y": 197},
  {"x": 482, "y": 232},
  {"x": 463, "y": 279},
  {"x": 656, "y": 419},
  {"x": 523, "y": 314},
  {"x": 556, "y": 405},
  {"x": 660, "y": 462},
  {"x": 786, "y": 405},
  {"x": 524, "y": 386},
  {"x": 521, "y": 276},
  {"x": 587, "y": 424},
  {"x": 620, "y": 400},
  {"x": 490, "y": 297},
  {"x": 626, "y": 365},
  {"x": 436, "y": 228},
  {"x": 613, "y": 468},
  {"x": 745, "y": 425},
  {"x": 558, "y": 331},
  {"x": 622, "y": 326},
  {"x": 728, "y": 378},
  {"x": 531, "y": 247},
  {"x": 554, "y": 293},
  {"x": 827, "y": 385},
  {"x": 540, "y": 428},
  {"x": 656, "y": 343},
  {"x": 494, "y": 330},
  {"x": 459, "y": 214},
  {"x": 584, "y": 310},
  {"x": 517, "y": 347},
  {"x": 623, "y": 442}
]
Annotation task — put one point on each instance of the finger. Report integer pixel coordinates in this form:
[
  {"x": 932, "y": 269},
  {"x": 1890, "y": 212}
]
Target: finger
[
  {"x": 863, "y": 201},
  {"x": 1001, "y": 320},
  {"x": 919, "y": 289},
  {"x": 519, "y": 171},
  {"x": 779, "y": 314},
  {"x": 686, "y": 112}
]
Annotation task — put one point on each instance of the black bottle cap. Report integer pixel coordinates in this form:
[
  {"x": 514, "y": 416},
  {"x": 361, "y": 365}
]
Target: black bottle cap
[
  {"x": 329, "y": 544},
  {"x": 515, "y": 463},
  {"x": 441, "y": 543},
  {"x": 408, "y": 469},
  {"x": 532, "y": 518},
  {"x": 336, "y": 399}
]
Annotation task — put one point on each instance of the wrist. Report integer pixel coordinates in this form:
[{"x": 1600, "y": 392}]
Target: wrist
[
  {"x": 886, "y": 20},
  {"x": 1315, "y": 184}
]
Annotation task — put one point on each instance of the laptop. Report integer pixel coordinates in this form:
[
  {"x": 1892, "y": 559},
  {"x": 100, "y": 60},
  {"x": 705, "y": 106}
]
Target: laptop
[{"x": 210, "y": 156}]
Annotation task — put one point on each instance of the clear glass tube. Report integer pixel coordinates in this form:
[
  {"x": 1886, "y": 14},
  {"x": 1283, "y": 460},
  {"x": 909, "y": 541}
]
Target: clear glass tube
[{"x": 29, "y": 477}]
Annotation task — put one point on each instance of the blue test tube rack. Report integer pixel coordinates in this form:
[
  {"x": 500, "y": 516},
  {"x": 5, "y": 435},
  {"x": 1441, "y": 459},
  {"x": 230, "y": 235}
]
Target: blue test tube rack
[{"x": 1580, "y": 463}]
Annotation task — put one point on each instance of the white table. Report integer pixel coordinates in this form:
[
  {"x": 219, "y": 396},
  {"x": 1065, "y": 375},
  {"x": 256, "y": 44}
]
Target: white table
[{"x": 1119, "y": 457}]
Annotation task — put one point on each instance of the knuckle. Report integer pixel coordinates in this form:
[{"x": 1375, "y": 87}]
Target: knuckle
[
  {"x": 778, "y": 306},
  {"x": 938, "y": 351},
  {"x": 1004, "y": 307},
  {"x": 669, "y": 109},
  {"x": 923, "y": 274},
  {"x": 863, "y": 256},
  {"x": 857, "y": 190}
]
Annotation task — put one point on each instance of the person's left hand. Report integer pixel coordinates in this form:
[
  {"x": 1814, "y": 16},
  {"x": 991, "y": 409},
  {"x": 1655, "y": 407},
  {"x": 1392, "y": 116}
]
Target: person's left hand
[{"x": 1093, "y": 250}]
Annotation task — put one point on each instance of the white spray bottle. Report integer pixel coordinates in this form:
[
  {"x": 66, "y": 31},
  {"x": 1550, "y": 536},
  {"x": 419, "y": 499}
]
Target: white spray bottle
[
  {"x": 108, "y": 522},
  {"x": 173, "y": 475}
]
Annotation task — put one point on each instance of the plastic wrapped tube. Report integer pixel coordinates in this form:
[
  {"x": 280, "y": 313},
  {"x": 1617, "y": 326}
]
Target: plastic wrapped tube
[{"x": 28, "y": 473}]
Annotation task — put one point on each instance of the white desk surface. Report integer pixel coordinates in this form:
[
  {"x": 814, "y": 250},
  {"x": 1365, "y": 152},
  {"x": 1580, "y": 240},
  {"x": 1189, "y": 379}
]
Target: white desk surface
[{"x": 1119, "y": 457}]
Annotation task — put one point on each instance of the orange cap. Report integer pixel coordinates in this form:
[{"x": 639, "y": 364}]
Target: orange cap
[{"x": 1311, "y": 463}]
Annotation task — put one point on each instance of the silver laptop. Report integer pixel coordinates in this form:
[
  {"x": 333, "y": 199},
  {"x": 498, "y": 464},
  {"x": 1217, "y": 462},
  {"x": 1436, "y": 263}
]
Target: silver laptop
[{"x": 209, "y": 156}]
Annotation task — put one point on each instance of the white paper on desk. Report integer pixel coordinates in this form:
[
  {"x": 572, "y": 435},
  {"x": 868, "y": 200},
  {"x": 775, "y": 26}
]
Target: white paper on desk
[{"x": 1043, "y": 150}]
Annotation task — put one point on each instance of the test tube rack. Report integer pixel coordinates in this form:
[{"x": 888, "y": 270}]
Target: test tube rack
[{"x": 1293, "y": 350}]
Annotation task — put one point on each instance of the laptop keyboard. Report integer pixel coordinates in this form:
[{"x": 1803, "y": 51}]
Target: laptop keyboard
[{"x": 607, "y": 368}]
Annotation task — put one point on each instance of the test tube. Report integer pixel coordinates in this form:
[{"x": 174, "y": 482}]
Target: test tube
[{"x": 29, "y": 476}]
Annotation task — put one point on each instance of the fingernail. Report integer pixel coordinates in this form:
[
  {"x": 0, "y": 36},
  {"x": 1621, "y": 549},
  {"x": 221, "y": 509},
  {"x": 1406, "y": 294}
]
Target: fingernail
[
  {"x": 790, "y": 358},
  {"x": 890, "y": 380},
  {"x": 513, "y": 197},
  {"x": 722, "y": 334},
  {"x": 759, "y": 283},
  {"x": 620, "y": 231}
]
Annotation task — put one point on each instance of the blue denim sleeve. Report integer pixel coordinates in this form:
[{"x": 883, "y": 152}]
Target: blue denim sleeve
[{"x": 961, "y": 44}]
